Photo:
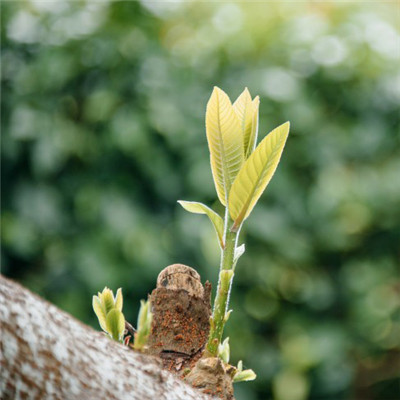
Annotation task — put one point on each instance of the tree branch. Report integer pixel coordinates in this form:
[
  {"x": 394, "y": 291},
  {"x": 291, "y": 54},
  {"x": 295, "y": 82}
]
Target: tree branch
[{"x": 46, "y": 353}]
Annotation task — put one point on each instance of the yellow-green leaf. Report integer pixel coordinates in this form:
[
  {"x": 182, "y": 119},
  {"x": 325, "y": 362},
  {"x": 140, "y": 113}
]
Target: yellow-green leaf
[
  {"x": 118, "y": 300},
  {"x": 115, "y": 322},
  {"x": 249, "y": 147},
  {"x": 244, "y": 109},
  {"x": 99, "y": 311},
  {"x": 107, "y": 300},
  {"x": 256, "y": 173},
  {"x": 243, "y": 376},
  {"x": 143, "y": 325},
  {"x": 224, "y": 141},
  {"x": 145, "y": 317},
  {"x": 199, "y": 208}
]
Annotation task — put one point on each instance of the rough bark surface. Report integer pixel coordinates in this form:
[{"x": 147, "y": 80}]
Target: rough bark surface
[
  {"x": 181, "y": 308},
  {"x": 47, "y": 354}
]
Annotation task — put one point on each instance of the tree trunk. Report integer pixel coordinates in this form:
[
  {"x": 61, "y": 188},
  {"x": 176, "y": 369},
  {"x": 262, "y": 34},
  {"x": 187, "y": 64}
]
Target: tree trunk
[{"x": 47, "y": 354}]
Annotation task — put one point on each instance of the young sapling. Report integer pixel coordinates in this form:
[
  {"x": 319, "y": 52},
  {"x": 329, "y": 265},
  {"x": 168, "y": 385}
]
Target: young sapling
[{"x": 241, "y": 171}]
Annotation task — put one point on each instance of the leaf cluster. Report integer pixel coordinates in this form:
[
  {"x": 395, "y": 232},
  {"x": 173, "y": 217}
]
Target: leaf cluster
[
  {"x": 241, "y": 171},
  {"x": 108, "y": 310}
]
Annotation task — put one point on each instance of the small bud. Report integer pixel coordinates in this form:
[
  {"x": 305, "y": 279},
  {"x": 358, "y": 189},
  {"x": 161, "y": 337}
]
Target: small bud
[
  {"x": 227, "y": 315},
  {"x": 108, "y": 310},
  {"x": 246, "y": 375},
  {"x": 239, "y": 252},
  {"x": 143, "y": 326},
  {"x": 224, "y": 351}
]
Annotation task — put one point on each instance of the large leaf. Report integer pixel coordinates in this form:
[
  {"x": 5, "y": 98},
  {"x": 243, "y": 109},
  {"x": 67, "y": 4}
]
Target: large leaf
[
  {"x": 224, "y": 141},
  {"x": 199, "y": 208},
  {"x": 256, "y": 173}
]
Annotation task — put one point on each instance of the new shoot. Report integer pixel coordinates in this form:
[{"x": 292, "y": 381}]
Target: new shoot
[{"x": 241, "y": 171}]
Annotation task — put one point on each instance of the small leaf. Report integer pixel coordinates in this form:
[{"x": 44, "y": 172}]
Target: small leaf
[
  {"x": 239, "y": 252},
  {"x": 144, "y": 325},
  {"x": 224, "y": 351},
  {"x": 107, "y": 299},
  {"x": 99, "y": 311},
  {"x": 244, "y": 110},
  {"x": 115, "y": 322},
  {"x": 246, "y": 375},
  {"x": 225, "y": 142},
  {"x": 118, "y": 300},
  {"x": 199, "y": 208},
  {"x": 145, "y": 317},
  {"x": 227, "y": 315},
  {"x": 254, "y": 129},
  {"x": 255, "y": 174}
]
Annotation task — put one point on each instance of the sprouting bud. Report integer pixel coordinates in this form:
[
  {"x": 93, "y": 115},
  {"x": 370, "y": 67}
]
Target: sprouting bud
[
  {"x": 144, "y": 325},
  {"x": 108, "y": 310},
  {"x": 227, "y": 315},
  {"x": 242, "y": 376},
  {"x": 224, "y": 351}
]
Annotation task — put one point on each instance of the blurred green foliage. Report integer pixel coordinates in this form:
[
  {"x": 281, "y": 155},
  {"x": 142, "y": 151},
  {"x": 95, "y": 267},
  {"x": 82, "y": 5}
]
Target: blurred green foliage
[{"x": 103, "y": 130}]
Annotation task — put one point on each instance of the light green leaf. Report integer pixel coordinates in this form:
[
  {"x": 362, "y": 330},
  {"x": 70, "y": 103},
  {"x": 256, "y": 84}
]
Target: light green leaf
[
  {"x": 246, "y": 375},
  {"x": 199, "y": 208},
  {"x": 115, "y": 322},
  {"x": 224, "y": 351},
  {"x": 145, "y": 317},
  {"x": 255, "y": 174},
  {"x": 118, "y": 300},
  {"x": 143, "y": 325},
  {"x": 99, "y": 311},
  {"x": 243, "y": 107},
  {"x": 251, "y": 144},
  {"x": 107, "y": 300},
  {"x": 225, "y": 142}
]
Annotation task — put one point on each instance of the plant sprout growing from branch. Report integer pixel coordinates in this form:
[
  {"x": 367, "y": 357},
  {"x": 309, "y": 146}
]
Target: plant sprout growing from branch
[
  {"x": 108, "y": 310},
  {"x": 241, "y": 171}
]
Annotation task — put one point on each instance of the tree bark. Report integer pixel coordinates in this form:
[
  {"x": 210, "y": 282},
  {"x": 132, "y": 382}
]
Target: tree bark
[{"x": 47, "y": 354}]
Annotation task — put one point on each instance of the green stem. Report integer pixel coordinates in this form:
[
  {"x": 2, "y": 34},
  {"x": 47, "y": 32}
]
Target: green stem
[{"x": 219, "y": 316}]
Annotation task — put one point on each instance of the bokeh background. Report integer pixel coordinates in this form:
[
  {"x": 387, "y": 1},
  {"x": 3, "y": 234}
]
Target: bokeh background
[{"x": 102, "y": 123}]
